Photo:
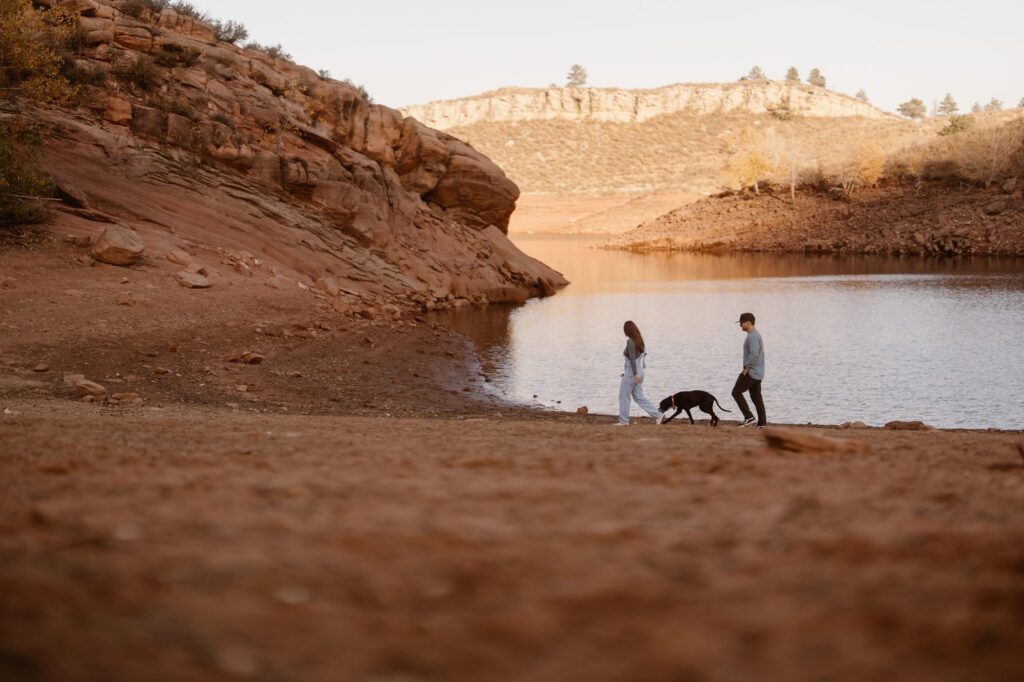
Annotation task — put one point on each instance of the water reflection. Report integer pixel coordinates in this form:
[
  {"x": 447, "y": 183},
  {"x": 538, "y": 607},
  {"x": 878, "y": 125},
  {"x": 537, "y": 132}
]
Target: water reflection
[{"x": 869, "y": 339}]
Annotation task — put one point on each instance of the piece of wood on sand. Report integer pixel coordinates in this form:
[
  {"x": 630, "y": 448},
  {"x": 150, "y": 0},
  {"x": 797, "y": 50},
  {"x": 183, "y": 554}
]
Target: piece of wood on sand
[{"x": 803, "y": 441}]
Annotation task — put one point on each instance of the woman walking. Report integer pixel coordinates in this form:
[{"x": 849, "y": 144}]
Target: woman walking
[{"x": 631, "y": 385}]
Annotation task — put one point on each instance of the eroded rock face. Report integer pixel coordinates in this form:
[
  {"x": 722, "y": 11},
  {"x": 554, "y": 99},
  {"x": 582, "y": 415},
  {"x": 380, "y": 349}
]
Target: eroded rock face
[{"x": 231, "y": 146}]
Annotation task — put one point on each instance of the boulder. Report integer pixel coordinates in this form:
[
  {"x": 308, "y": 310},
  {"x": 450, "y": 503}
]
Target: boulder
[
  {"x": 800, "y": 440},
  {"x": 118, "y": 245},
  {"x": 583, "y": 409},
  {"x": 191, "y": 280}
]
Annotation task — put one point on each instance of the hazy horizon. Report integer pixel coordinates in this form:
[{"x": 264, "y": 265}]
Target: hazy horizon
[{"x": 411, "y": 53}]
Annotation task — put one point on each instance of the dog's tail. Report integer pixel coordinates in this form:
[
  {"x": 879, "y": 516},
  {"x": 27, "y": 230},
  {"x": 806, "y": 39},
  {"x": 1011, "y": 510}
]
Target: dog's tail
[{"x": 720, "y": 405}]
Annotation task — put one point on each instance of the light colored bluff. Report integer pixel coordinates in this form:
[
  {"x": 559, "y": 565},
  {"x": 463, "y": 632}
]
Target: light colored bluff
[{"x": 635, "y": 106}]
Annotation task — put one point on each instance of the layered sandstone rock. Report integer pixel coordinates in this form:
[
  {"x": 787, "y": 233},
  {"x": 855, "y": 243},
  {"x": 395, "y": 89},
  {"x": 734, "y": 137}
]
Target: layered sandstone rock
[
  {"x": 239, "y": 151},
  {"x": 633, "y": 106}
]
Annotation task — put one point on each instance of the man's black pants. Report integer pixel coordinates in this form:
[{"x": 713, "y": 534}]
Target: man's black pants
[{"x": 745, "y": 383}]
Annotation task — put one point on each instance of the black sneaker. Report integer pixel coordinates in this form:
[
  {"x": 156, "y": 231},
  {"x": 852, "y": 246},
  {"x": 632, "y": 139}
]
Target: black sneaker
[{"x": 747, "y": 422}]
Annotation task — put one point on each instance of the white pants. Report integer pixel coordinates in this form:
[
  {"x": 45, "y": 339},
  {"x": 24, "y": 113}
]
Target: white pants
[{"x": 629, "y": 389}]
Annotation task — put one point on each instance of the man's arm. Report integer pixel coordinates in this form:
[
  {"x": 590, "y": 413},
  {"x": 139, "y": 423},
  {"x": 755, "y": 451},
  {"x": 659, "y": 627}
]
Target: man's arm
[{"x": 631, "y": 354}]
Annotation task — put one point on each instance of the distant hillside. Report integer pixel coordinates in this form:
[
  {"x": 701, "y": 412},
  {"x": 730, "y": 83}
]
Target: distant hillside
[{"x": 632, "y": 148}]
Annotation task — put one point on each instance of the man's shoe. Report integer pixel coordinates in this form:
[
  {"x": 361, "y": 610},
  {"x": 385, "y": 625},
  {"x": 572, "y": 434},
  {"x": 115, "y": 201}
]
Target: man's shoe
[
  {"x": 620, "y": 424},
  {"x": 747, "y": 422},
  {"x": 660, "y": 418}
]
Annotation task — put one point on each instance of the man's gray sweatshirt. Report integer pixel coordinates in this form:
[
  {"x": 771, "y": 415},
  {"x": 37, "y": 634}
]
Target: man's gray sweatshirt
[{"x": 753, "y": 355}]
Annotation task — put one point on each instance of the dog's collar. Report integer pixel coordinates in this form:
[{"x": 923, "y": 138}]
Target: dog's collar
[{"x": 673, "y": 401}]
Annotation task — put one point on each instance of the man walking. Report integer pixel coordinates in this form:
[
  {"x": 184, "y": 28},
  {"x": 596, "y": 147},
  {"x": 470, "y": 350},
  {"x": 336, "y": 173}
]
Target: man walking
[{"x": 752, "y": 374}]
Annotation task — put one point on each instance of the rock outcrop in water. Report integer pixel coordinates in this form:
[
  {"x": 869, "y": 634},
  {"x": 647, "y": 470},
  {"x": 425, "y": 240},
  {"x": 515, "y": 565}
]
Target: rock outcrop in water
[
  {"x": 199, "y": 145},
  {"x": 633, "y": 106}
]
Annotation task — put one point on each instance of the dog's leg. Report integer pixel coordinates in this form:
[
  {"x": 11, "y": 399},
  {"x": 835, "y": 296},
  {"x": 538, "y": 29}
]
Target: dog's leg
[
  {"x": 709, "y": 409},
  {"x": 678, "y": 410},
  {"x": 690, "y": 416}
]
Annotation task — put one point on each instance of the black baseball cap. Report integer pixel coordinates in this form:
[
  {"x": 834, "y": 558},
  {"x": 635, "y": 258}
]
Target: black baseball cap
[{"x": 747, "y": 317}]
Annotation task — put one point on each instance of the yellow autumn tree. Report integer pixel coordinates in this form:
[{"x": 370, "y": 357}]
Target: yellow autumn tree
[
  {"x": 749, "y": 164},
  {"x": 865, "y": 168}
]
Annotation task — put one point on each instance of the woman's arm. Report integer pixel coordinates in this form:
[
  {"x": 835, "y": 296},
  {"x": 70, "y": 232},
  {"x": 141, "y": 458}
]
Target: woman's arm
[{"x": 631, "y": 354}]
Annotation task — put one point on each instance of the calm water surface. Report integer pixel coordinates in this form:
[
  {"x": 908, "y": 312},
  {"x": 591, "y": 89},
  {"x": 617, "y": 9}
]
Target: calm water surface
[{"x": 868, "y": 339}]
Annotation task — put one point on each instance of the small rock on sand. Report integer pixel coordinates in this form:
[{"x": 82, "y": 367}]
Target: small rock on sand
[
  {"x": 853, "y": 425},
  {"x": 128, "y": 298},
  {"x": 191, "y": 280},
  {"x": 583, "y": 409},
  {"x": 179, "y": 257},
  {"x": 86, "y": 388},
  {"x": 280, "y": 282},
  {"x": 908, "y": 426},
  {"x": 799, "y": 440},
  {"x": 41, "y": 367}
]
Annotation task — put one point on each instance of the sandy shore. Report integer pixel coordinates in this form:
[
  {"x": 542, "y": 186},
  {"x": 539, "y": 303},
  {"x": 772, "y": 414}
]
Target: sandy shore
[
  {"x": 204, "y": 545},
  {"x": 363, "y": 512}
]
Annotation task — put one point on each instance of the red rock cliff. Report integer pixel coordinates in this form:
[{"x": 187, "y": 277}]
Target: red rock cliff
[{"x": 204, "y": 146}]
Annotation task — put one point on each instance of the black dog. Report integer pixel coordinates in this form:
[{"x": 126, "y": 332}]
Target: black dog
[{"x": 687, "y": 400}]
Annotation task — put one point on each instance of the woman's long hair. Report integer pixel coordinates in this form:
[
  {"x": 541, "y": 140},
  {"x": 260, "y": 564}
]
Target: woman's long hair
[{"x": 633, "y": 332}]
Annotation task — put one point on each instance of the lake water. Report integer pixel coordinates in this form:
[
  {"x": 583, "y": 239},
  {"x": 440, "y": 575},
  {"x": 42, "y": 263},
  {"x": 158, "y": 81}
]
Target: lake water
[{"x": 846, "y": 339}]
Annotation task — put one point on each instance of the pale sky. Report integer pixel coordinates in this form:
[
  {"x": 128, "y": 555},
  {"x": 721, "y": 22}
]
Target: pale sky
[{"x": 414, "y": 52}]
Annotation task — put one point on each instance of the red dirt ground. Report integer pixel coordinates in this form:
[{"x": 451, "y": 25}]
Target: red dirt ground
[{"x": 371, "y": 520}]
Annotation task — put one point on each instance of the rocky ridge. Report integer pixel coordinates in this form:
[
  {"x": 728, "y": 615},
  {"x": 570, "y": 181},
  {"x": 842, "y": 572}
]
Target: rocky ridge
[
  {"x": 927, "y": 218},
  {"x": 251, "y": 162},
  {"x": 634, "y": 106}
]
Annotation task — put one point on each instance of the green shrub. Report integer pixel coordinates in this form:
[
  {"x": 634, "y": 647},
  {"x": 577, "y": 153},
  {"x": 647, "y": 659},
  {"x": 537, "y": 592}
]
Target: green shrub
[
  {"x": 187, "y": 9},
  {"x": 82, "y": 75},
  {"x": 175, "y": 105},
  {"x": 169, "y": 56},
  {"x": 958, "y": 123},
  {"x": 360, "y": 89},
  {"x": 23, "y": 186},
  {"x": 275, "y": 51},
  {"x": 141, "y": 72},
  {"x": 135, "y": 8},
  {"x": 229, "y": 31}
]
